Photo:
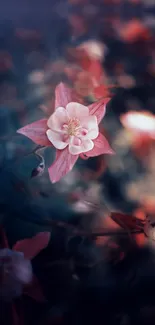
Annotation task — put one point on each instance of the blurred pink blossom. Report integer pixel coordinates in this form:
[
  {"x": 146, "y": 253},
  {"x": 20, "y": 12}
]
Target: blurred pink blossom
[{"x": 16, "y": 275}]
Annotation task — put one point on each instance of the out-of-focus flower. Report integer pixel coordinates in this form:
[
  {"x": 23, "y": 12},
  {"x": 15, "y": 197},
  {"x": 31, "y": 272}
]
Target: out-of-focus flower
[
  {"x": 84, "y": 84},
  {"x": 102, "y": 90},
  {"x": 139, "y": 122},
  {"x": 94, "y": 49},
  {"x": 88, "y": 75},
  {"x": 142, "y": 190},
  {"x": 55, "y": 69},
  {"x": 36, "y": 77},
  {"x": 149, "y": 228},
  {"x": 94, "y": 68},
  {"x": 68, "y": 183},
  {"x": 89, "y": 200},
  {"x": 72, "y": 129},
  {"x": 16, "y": 276},
  {"x": 133, "y": 31},
  {"x": 15, "y": 271},
  {"x": 126, "y": 81}
]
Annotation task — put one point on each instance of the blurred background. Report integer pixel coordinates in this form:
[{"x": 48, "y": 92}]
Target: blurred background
[{"x": 102, "y": 48}]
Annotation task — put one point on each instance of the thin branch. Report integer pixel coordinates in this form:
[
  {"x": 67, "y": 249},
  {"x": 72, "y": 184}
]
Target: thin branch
[
  {"x": 34, "y": 151},
  {"x": 99, "y": 232}
]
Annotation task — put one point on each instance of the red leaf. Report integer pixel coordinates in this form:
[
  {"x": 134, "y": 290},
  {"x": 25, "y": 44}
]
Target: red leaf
[
  {"x": 32, "y": 246},
  {"x": 127, "y": 221}
]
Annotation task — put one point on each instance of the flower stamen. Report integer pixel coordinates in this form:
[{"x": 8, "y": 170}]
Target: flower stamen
[{"x": 72, "y": 126}]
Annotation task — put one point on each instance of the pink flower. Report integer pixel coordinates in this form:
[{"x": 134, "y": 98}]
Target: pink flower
[
  {"x": 16, "y": 271},
  {"x": 72, "y": 129},
  {"x": 16, "y": 276},
  {"x": 142, "y": 123}
]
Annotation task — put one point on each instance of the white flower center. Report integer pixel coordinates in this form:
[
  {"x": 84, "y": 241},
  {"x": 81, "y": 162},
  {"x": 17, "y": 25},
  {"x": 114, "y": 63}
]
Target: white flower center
[{"x": 73, "y": 127}]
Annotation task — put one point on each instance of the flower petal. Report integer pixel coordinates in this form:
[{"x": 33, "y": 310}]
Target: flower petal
[
  {"x": 90, "y": 124},
  {"x": 35, "y": 291},
  {"x": 56, "y": 139},
  {"x": 86, "y": 145},
  {"x": 99, "y": 109},
  {"x": 101, "y": 146},
  {"x": 63, "y": 164},
  {"x": 76, "y": 110},
  {"x": 65, "y": 95},
  {"x": 36, "y": 132},
  {"x": 57, "y": 119},
  {"x": 32, "y": 246}
]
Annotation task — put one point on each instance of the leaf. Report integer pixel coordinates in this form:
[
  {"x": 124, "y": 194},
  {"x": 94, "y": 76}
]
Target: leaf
[
  {"x": 32, "y": 246},
  {"x": 127, "y": 221}
]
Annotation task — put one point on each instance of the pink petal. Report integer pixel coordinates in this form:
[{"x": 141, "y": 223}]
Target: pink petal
[
  {"x": 57, "y": 119},
  {"x": 36, "y": 132},
  {"x": 99, "y": 109},
  {"x": 65, "y": 95},
  {"x": 63, "y": 164},
  {"x": 56, "y": 139},
  {"x": 32, "y": 246},
  {"x": 34, "y": 291},
  {"x": 76, "y": 110},
  {"x": 76, "y": 141},
  {"x": 101, "y": 146},
  {"x": 90, "y": 124},
  {"x": 85, "y": 146}
]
